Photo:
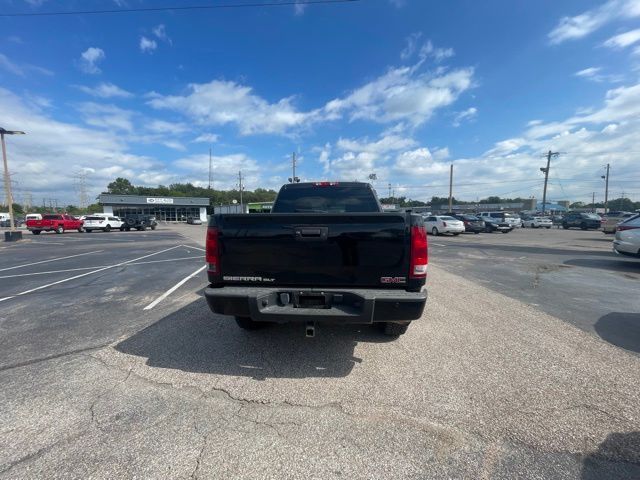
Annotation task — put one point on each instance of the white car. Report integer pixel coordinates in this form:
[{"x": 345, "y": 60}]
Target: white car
[
  {"x": 627, "y": 239},
  {"x": 437, "y": 224},
  {"x": 102, "y": 222},
  {"x": 537, "y": 222}
]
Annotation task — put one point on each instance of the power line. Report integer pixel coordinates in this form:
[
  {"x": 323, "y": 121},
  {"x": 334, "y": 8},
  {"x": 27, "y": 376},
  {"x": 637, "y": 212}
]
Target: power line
[{"x": 180, "y": 8}]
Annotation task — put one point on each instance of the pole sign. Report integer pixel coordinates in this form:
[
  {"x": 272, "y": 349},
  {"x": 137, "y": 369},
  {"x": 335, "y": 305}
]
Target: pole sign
[{"x": 160, "y": 200}]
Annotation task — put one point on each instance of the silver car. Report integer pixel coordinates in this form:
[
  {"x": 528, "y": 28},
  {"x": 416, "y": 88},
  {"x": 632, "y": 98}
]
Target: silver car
[{"x": 627, "y": 241}]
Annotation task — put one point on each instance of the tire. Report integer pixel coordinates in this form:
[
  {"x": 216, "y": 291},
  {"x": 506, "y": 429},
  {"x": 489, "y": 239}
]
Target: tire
[
  {"x": 126, "y": 229},
  {"x": 107, "y": 228},
  {"x": 487, "y": 229},
  {"x": 247, "y": 324},
  {"x": 35, "y": 232},
  {"x": 122, "y": 229},
  {"x": 153, "y": 227},
  {"x": 455, "y": 234},
  {"x": 395, "y": 329},
  {"x": 506, "y": 231},
  {"x": 583, "y": 226},
  {"x": 81, "y": 230},
  {"x": 548, "y": 228},
  {"x": 565, "y": 226},
  {"x": 434, "y": 231},
  {"x": 476, "y": 232},
  {"x": 131, "y": 221},
  {"x": 88, "y": 230},
  {"x": 59, "y": 229}
]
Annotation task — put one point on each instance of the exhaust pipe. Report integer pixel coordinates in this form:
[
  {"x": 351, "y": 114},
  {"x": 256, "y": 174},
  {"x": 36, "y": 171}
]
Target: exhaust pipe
[{"x": 310, "y": 330}]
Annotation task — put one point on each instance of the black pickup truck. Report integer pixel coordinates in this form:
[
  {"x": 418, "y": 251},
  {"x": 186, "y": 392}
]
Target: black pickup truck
[{"x": 326, "y": 253}]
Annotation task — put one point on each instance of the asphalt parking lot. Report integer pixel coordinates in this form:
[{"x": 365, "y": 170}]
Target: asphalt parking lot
[{"x": 525, "y": 365}]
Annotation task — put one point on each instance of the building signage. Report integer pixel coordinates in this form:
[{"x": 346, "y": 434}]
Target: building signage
[{"x": 160, "y": 200}]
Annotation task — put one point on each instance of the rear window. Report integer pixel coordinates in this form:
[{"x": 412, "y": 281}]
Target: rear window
[
  {"x": 326, "y": 199},
  {"x": 94, "y": 218},
  {"x": 448, "y": 218},
  {"x": 52, "y": 217},
  {"x": 591, "y": 216},
  {"x": 470, "y": 218}
]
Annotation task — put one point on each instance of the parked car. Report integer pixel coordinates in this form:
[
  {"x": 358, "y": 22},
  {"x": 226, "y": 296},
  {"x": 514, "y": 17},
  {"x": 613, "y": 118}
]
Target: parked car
[
  {"x": 517, "y": 221},
  {"x": 537, "y": 222},
  {"x": 194, "y": 220},
  {"x": 104, "y": 223},
  {"x": 584, "y": 221},
  {"x": 612, "y": 219},
  {"x": 328, "y": 253},
  {"x": 627, "y": 239},
  {"x": 440, "y": 224},
  {"x": 471, "y": 223},
  {"x": 139, "y": 222},
  {"x": 497, "y": 222},
  {"x": 55, "y": 222}
]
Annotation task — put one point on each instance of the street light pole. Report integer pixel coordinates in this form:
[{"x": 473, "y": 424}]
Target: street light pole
[{"x": 7, "y": 180}]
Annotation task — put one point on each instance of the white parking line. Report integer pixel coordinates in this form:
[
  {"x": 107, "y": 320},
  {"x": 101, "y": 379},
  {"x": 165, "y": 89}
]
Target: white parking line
[
  {"x": 50, "y": 260},
  {"x": 79, "y": 269},
  {"x": 88, "y": 273},
  {"x": 173, "y": 289},
  {"x": 196, "y": 248}
]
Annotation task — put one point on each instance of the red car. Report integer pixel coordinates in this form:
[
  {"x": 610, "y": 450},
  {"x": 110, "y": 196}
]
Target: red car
[{"x": 55, "y": 222}]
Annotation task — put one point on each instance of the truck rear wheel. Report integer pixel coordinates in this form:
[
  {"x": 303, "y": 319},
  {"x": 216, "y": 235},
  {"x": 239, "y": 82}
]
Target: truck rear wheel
[
  {"x": 395, "y": 329},
  {"x": 247, "y": 324},
  {"x": 59, "y": 229},
  {"x": 107, "y": 228},
  {"x": 35, "y": 232}
]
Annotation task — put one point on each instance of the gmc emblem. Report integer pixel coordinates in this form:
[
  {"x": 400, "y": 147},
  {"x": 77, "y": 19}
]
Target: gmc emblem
[{"x": 393, "y": 280}]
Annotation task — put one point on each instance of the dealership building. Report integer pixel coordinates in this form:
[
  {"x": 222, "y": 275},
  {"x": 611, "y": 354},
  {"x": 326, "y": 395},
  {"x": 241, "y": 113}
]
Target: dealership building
[{"x": 166, "y": 209}]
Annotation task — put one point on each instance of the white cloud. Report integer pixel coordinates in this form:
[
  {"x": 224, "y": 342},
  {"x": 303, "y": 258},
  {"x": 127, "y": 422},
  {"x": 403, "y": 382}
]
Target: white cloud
[
  {"x": 147, "y": 45},
  {"x": 15, "y": 39},
  {"x": 89, "y": 60},
  {"x": 412, "y": 44},
  {"x": 207, "y": 138},
  {"x": 105, "y": 90},
  {"x": 623, "y": 40},
  {"x": 386, "y": 144},
  {"x": 403, "y": 94},
  {"x": 594, "y": 74},
  {"x": 579, "y": 26},
  {"x": 438, "y": 54},
  {"x": 161, "y": 32},
  {"x": 222, "y": 102},
  {"x": 398, "y": 3},
  {"x": 107, "y": 116},
  {"x": 21, "y": 69},
  {"x": 465, "y": 116},
  {"x": 38, "y": 157},
  {"x": 299, "y": 8},
  {"x": 162, "y": 126}
]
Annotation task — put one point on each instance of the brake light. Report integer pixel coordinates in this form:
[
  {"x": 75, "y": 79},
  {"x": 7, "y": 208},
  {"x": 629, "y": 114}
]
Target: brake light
[
  {"x": 325, "y": 184},
  {"x": 213, "y": 250},
  {"x": 466, "y": 222},
  {"x": 622, "y": 228},
  {"x": 419, "y": 252}
]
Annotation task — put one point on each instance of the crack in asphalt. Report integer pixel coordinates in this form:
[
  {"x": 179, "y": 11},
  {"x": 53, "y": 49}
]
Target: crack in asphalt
[
  {"x": 53, "y": 357},
  {"x": 94, "y": 420}
]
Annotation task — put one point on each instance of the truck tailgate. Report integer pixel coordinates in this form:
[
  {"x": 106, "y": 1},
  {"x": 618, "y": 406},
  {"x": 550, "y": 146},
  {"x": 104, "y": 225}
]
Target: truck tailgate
[{"x": 324, "y": 250}]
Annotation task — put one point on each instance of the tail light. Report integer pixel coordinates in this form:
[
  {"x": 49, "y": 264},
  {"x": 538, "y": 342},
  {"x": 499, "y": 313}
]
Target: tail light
[
  {"x": 603, "y": 220},
  {"x": 213, "y": 250},
  {"x": 622, "y": 228},
  {"x": 466, "y": 222},
  {"x": 419, "y": 254},
  {"x": 326, "y": 184}
]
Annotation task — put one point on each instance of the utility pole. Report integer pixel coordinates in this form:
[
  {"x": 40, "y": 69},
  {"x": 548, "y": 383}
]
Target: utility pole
[
  {"x": 241, "y": 187},
  {"x": 593, "y": 202},
  {"x": 389, "y": 190},
  {"x": 606, "y": 188},
  {"x": 81, "y": 182},
  {"x": 451, "y": 189},
  {"x": 546, "y": 178},
  {"x": 293, "y": 166},
  {"x": 210, "y": 164},
  {"x": 7, "y": 180}
]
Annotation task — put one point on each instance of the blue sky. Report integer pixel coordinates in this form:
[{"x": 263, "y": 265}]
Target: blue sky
[{"x": 400, "y": 88}]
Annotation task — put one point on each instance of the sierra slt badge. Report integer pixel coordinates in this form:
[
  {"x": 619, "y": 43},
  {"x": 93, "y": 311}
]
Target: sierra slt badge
[
  {"x": 393, "y": 279},
  {"x": 229, "y": 278}
]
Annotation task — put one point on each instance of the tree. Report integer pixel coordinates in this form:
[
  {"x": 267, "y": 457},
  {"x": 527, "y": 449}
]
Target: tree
[{"x": 121, "y": 186}]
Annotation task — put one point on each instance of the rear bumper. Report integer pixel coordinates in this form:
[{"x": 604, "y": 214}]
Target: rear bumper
[
  {"x": 626, "y": 248},
  {"x": 342, "y": 305}
]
